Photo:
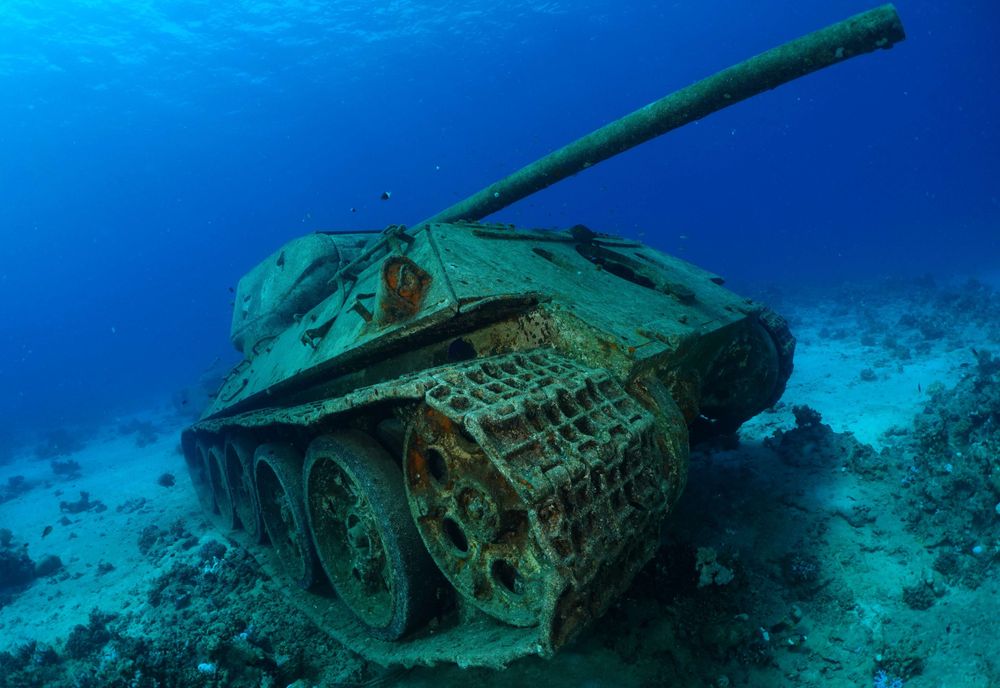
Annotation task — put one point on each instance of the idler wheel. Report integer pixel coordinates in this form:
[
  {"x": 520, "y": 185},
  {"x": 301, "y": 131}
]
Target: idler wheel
[
  {"x": 239, "y": 475},
  {"x": 365, "y": 538},
  {"x": 278, "y": 469},
  {"x": 220, "y": 488},
  {"x": 474, "y": 524},
  {"x": 196, "y": 457},
  {"x": 744, "y": 378},
  {"x": 784, "y": 344}
]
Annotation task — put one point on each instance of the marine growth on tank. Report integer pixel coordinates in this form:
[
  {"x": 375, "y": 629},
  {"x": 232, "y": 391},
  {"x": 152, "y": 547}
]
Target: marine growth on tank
[{"x": 428, "y": 344}]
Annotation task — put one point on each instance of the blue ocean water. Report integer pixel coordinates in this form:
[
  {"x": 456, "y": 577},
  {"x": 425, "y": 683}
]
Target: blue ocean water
[{"x": 152, "y": 152}]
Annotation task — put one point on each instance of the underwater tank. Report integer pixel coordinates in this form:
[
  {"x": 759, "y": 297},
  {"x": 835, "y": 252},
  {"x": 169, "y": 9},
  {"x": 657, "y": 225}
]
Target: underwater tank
[{"x": 456, "y": 441}]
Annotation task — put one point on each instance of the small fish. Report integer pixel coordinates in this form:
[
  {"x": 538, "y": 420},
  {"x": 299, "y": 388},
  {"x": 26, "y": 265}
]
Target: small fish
[
  {"x": 354, "y": 210},
  {"x": 974, "y": 352},
  {"x": 231, "y": 290},
  {"x": 48, "y": 529},
  {"x": 386, "y": 195},
  {"x": 919, "y": 391}
]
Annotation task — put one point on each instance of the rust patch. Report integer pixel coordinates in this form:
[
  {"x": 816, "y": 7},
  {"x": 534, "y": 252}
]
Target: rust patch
[
  {"x": 401, "y": 290},
  {"x": 417, "y": 468},
  {"x": 476, "y": 527}
]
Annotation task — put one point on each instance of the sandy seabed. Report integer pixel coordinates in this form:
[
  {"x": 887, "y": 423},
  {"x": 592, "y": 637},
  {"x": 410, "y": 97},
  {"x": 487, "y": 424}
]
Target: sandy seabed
[{"x": 848, "y": 537}]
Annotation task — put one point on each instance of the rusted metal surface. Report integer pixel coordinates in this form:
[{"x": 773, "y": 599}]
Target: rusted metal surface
[
  {"x": 538, "y": 471},
  {"x": 402, "y": 289},
  {"x": 531, "y": 478}
]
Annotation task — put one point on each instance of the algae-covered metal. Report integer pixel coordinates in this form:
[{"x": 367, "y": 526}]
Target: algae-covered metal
[
  {"x": 457, "y": 442},
  {"x": 488, "y": 433}
]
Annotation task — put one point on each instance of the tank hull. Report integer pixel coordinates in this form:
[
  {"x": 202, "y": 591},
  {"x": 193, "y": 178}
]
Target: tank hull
[{"x": 534, "y": 392}]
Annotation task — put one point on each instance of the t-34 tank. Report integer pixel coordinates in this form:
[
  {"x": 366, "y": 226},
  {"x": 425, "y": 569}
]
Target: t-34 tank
[{"x": 457, "y": 442}]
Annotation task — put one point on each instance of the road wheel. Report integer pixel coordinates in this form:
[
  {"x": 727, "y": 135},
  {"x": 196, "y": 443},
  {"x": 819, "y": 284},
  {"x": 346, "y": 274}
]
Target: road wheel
[
  {"x": 365, "y": 538},
  {"x": 221, "y": 491},
  {"x": 278, "y": 468},
  {"x": 239, "y": 474}
]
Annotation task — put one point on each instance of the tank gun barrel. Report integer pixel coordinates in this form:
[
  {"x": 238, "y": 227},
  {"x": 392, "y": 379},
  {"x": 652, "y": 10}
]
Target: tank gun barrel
[{"x": 875, "y": 29}]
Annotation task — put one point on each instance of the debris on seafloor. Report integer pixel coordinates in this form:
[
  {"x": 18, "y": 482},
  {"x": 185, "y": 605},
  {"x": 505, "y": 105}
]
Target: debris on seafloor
[{"x": 82, "y": 504}]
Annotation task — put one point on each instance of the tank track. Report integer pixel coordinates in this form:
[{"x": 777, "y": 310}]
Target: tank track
[
  {"x": 579, "y": 466},
  {"x": 537, "y": 483}
]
